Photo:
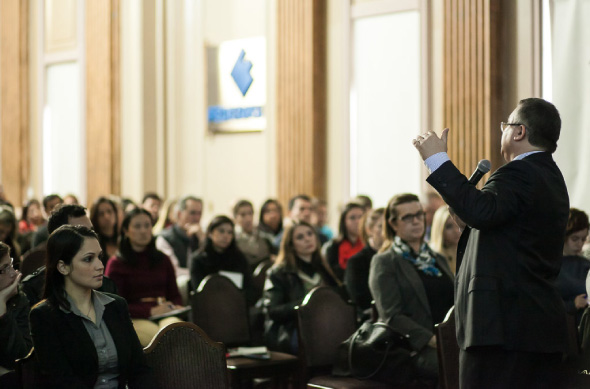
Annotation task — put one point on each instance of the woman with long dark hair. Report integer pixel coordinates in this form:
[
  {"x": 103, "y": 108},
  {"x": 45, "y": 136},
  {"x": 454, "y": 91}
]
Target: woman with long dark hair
[
  {"x": 221, "y": 254},
  {"x": 144, "y": 276},
  {"x": 298, "y": 269},
  {"x": 83, "y": 338},
  {"x": 9, "y": 232},
  {"x": 348, "y": 242},
  {"x": 271, "y": 219},
  {"x": 105, "y": 219}
]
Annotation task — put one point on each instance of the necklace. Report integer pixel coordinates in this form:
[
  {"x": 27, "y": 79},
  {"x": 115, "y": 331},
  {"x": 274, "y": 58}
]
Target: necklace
[{"x": 89, "y": 309}]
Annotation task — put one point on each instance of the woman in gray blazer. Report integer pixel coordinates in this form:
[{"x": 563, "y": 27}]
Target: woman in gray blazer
[{"x": 411, "y": 284}]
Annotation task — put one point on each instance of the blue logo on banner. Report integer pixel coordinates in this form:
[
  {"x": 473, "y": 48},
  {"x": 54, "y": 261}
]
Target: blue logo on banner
[{"x": 241, "y": 73}]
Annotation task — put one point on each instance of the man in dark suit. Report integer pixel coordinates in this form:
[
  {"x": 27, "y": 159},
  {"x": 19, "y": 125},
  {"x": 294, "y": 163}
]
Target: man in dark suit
[{"x": 511, "y": 325}]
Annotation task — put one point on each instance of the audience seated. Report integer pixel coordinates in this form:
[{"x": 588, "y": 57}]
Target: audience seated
[
  {"x": 83, "y": 338},
  {"x": 571, "y": 281},
  {"x": 298, "y": 269},
  {"x": 62, "y": 214},
  {"x": 31, "y": 219},
  {"x": 128, "y": 205},
  {"x": 445, "y": 235},
  {"x": 151, "y": 202},
  {"x": 356, "y": 275},
  {"x": 432, "y": 203},
  {"x": 412, "y": 285},
  {"x": 299, "y": 210},
  {"x": 15, "y": 339},
  {"x": 181, "y": 240},
  {"x": 220, "y": 254},
  {"x": 105, "y": 219},
  {"x": 9, "y": 232},
  {"x": 49, "y": 203},
  {"x": 256, "y": 246},
  {"x": 319, "y": 217},
  {"x": 71, "y": 199},
  {"x": 271, "y": 220},
  {"x": 167, "y": 216},
  {"x": 348, "y": 242},
  {"x": 144, "y": 276},
  {"x": 365, "y": 201}
]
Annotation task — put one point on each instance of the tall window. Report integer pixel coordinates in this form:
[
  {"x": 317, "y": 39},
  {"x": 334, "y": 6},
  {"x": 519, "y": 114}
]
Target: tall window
[
  {"x": 566, "y": 82},
  {"x": 386, "y": 103},
  {"x": 61, "y": 77}
]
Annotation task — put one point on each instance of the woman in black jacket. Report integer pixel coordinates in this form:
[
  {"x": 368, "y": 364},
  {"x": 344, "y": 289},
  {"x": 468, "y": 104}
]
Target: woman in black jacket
[
  {"x": 221, "y": 254},
  {"x": 356, "y": 275},
  {"x": 83, "y": 337},
  {"x": 298, "y": 269}
]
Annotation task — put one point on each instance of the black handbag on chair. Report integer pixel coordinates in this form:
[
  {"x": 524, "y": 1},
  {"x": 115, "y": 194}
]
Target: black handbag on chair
[{"x": 376, "y": 351}]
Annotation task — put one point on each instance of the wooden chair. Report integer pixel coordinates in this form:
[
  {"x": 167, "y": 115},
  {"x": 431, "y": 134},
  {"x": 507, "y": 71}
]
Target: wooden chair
[
  {"x": 259, "y": 277},
  {"x": 219, "y": 308},
  {"x": 33, "y": 259},
  {"x": 448, "y": 352},
  {"x": 325, "y": 320},
  {"x": 27, "y": 371},
  {"x": 182, "y": 356}
]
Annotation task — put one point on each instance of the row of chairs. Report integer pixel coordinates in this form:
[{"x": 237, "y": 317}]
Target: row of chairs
[{"x": 186, "y": 354}]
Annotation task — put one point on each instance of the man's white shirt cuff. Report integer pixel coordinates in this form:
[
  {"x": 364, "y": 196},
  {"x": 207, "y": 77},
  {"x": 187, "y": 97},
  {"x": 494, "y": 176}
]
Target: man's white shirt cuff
[{"x": 435, "y": 161}]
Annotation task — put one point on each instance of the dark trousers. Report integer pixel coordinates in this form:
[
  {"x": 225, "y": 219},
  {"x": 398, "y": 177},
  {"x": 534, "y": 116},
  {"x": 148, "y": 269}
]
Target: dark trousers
[{"x": 493, "y": 367}]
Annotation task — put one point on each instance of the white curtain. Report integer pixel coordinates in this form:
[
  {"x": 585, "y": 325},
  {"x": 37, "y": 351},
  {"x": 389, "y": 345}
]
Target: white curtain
[{"x": 570, "y": 31}]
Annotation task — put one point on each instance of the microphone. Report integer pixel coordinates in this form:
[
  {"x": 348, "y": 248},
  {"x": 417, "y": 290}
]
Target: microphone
[{"x": 482, "y": 168}]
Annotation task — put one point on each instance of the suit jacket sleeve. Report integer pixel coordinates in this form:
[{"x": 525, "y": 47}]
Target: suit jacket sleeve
[
  {"x": 383, "y": 282},
  {"x": 502, "y": 199}
]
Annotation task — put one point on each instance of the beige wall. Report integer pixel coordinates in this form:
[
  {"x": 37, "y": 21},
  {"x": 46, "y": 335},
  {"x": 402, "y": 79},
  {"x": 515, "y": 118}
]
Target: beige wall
[{"x": 165, "y": 145}]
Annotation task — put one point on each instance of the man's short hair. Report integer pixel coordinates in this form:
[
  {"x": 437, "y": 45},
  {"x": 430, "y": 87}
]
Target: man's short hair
[
  {"x": 542, "y": 122},
  {"x": 49, "y": 198},
  {"x": 61, "y": 215},
  {"x": 181, "y": 206},
  {"x": 151, "y": 195},
  {"x": 298, "y": 197},
  {"x": 577, "y": 221},
  {"x": 240, "y": 204}
]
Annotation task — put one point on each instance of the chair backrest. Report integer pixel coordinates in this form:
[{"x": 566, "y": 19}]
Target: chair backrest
[
  {"x": 325, "y": 320},
  {"x": 27, "y": 371},
  {"x": 219, "y": 308},
  {"x": 573, "y": 339},
  {"x": 448, "y": 352},
  {"x": 181, "y": 356},
  {"x": 33, "y": 259},
  {"x": 259, "y": 277}
]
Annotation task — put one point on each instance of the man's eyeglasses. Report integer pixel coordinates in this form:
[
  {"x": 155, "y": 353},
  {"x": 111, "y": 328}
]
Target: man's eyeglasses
[
  {"x": 8, "y": 267},
  {"x": 410, "y": 217},
  {"x": 504, "y": 126}
]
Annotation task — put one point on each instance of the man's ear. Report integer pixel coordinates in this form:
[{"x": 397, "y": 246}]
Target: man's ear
[
  {"x": 520, "y": 134},
  {"x": 63, "y": 268}
]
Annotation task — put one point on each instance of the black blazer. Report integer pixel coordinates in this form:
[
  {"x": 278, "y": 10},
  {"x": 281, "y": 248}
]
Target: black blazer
[
  {"x": 67, "y": 356},
  {"x": 505, "y": 290}
]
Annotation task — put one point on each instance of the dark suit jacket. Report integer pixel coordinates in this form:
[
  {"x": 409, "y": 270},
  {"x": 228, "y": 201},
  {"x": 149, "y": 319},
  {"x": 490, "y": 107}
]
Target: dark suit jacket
[
  {"x": 67, "y": 356},
  {"x": 505, "y": 287},
  {"x": 400, "y": 296}
]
